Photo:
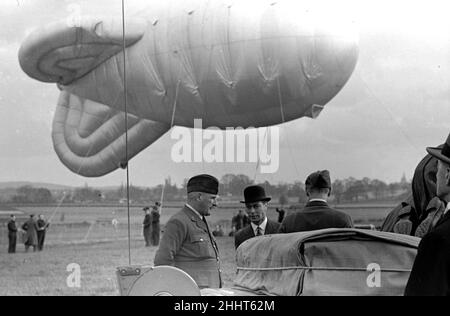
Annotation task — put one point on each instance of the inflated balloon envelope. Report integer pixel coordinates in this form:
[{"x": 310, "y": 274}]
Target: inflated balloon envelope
[{"x": 230, "y": 63}]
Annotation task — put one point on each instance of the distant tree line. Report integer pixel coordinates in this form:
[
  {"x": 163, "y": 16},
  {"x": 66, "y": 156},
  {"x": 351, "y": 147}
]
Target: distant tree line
[
  {"x": 353, "y": 190},
  {"x": 31, "y": 195},
  {"x": 231, "y": 188}
]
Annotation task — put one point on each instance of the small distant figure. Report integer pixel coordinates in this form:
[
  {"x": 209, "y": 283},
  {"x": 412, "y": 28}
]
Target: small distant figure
[
  {"x": 115, "y": 224},
  {"x": 62, "y": 219},
  {"x": 12, "y": 235},
  {"x": 156, "y": 227},
  {"x": 147, "y": 226},
  {"x": 281, "y": 214},
  {"x": 42, "y": 225},
  {"x": 31, "y": 237},
  {"x": 218, "y": 232}
]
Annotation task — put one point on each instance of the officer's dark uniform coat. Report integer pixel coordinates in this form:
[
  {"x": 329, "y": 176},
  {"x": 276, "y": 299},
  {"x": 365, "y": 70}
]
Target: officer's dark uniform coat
[{"x": 188, "y": 244}]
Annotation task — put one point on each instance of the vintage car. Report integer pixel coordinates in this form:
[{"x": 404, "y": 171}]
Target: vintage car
[{"x": 316, "y": 263}]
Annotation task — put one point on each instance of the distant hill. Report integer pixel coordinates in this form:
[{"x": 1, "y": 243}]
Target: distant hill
[
  {"x": 15, "y": 185},
  {"x": 50, "y": 186}
]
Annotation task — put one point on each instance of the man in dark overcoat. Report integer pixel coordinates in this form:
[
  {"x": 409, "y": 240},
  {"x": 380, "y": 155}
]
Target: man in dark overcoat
[
  {"x": 156, "y": 227},
  {"x": 147, "y": 227},
  {"x": 256, "y": 203},
  {"x": 31, "y": 237},
  {"x": 12, "y": 234},
  {"x": 42, "y": 231},
  {"x": 430, "y": 275},
  {"x": 317, "y": 214}
]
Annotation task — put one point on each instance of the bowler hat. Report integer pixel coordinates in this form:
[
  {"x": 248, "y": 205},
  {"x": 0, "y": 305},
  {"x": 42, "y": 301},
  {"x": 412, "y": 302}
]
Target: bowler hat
[
  {"x": 203, "y": 183},
  {"x": 441, "y": 153},
  {"x": 255, "y": 193},
  {"x": 319, "y": 180}
]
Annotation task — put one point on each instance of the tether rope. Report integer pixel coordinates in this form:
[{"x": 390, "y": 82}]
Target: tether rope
[
  {"x": 126, "y": 130},
  {"x": 172, "y": 124}
]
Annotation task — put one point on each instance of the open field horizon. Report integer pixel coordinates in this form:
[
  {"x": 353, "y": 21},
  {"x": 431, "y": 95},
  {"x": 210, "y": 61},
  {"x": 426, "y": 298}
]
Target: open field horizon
[{"x": 74, "y": 223}]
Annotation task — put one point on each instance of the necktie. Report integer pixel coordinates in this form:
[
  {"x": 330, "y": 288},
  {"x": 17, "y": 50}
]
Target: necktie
[{"x": 259, "y": 231}]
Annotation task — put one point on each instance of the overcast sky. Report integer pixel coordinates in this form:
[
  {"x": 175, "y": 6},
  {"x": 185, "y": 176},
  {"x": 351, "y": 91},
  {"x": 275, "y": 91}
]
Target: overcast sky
[{"x": 396, "y": 103}]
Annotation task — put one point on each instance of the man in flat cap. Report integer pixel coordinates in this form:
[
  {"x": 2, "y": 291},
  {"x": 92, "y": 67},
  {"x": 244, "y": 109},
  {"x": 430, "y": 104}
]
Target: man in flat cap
[
  {"x": 256, "y": 203},
  {"x": 156, "y": 228},
  {"x": 430, "y": 275},
  {"x": 316, "y": 214},
  {"x": 12, "y": 234},
  {"x": 146, "y": 225},
  {"x": 31, "y": 238},
  {"x": 187, "y": 242}
]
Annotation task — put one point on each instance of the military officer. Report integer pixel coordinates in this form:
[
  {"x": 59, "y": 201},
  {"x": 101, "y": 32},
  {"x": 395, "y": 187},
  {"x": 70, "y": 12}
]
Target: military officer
[{"x": 187, "y": 242}]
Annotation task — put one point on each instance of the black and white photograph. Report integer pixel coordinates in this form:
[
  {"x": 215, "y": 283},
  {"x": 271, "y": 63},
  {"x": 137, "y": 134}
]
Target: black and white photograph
[{"x": 224, "y": 149}]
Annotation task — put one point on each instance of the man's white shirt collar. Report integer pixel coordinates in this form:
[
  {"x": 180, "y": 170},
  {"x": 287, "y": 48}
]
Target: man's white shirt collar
[
  {"x": 447, "y": 208},
  {"x": 262, "y": 226},
  {"x": 194, "y": 210},
  {"x": 317, "y": 200}
]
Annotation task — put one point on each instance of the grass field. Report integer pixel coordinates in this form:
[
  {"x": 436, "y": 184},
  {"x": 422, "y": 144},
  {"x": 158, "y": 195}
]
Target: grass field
[
  {"x": 87, "y": 238},
  {"x": 45, "y": 273}
]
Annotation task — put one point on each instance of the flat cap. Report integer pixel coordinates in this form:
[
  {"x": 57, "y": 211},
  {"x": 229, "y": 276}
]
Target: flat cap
[
  {"x": 203, "y": 183},
  {"x": 319, "y": 180}
]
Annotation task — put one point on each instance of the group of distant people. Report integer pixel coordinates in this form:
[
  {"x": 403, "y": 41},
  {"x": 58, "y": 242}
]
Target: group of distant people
[
  {"x": 188, "y": 243},
  {"x": 33, "y": 231}
]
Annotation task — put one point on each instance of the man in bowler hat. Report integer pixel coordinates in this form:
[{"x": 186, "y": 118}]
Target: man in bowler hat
[
  {"x": 187, "y": 242},
  {"x": 316, "y": 214},
  {"x": 430, "y": 275},
  {"x": 256, "y": 203}
]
